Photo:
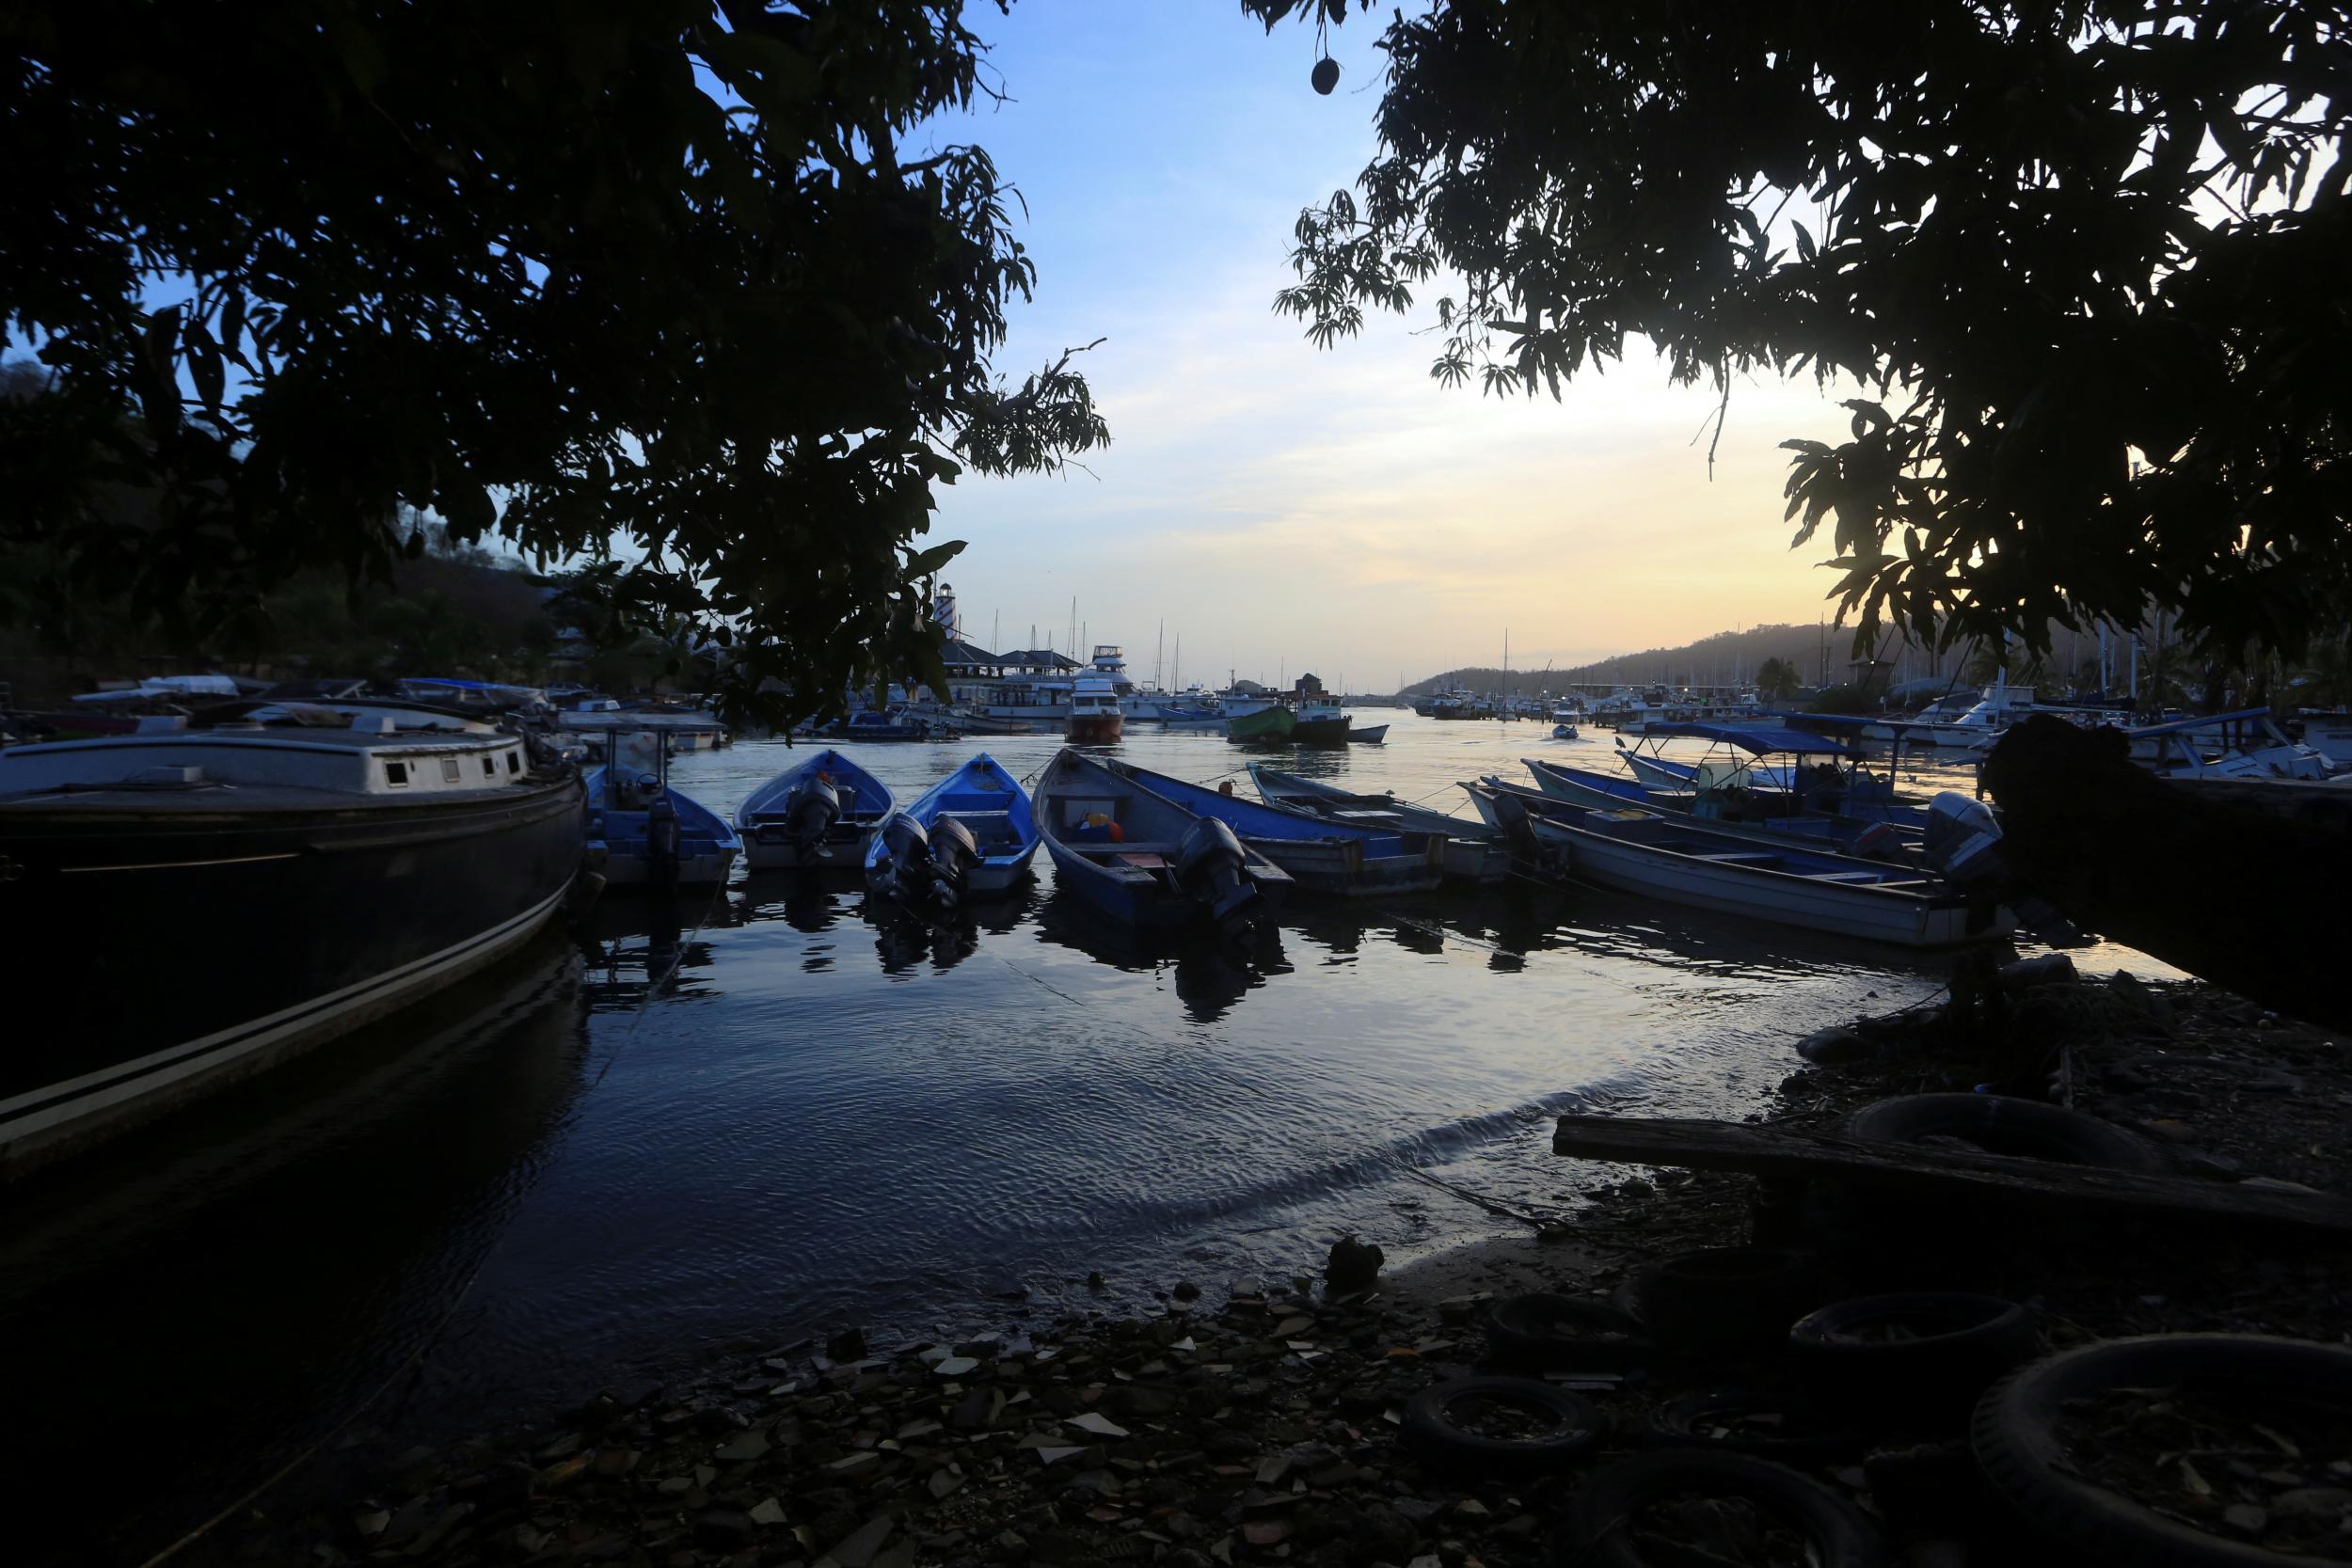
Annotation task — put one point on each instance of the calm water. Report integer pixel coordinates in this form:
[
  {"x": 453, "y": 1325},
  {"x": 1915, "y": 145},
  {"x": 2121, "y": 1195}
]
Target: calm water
[{"x": 744, "y": 1117}]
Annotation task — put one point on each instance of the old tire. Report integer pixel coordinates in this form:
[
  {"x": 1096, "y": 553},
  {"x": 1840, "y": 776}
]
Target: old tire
[
  {"x": 1724, "y": 1422},
  {"x": 1722, "y": 1298},
  {"x": 1596, "y": 1533},
  {"x": 1564, "y": 1333},
  {"x": 1434, "y": 1426},
  {"x": 2001, "y": 1124},
  {"x": 2018, "y": 1449},
  {"x": 1953, "y": 1346}
]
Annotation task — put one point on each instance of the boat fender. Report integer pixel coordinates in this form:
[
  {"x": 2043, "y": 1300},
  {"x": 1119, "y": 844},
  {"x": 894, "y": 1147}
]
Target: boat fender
[
  {"x": 661, "y": 840},
  {"x": 1210, "y": 867}
]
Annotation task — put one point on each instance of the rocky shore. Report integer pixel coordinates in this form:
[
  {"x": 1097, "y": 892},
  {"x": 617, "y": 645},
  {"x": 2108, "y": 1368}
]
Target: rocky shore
[{"x": 1248, "y": 1422}]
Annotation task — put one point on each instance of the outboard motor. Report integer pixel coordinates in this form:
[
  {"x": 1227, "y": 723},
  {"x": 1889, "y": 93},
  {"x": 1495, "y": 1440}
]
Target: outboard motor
[
  {"x": 1511, "y": 817},
  {"x": 904, "y": 872},
  {"x": 1211, "y": 867},
  {"x": 1963, "y": 843},
  {"x": 662, "y": 841},
  {"x": 954, "y": 853},
  {"x": 809, "y": 813}
]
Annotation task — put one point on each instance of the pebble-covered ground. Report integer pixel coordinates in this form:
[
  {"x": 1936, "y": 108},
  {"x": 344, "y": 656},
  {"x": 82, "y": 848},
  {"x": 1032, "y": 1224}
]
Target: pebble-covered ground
[{"x": 1259, "y": 1423}]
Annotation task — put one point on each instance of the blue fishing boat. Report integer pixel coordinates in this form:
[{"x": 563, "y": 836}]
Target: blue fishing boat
[
  {"x": 654, "y": 836},
  {"x": 1469, "y": 845},
  {"x": 1144, "y": 860},
  {"x": 969, "y": 835},
  {"x": 1776, "y": 770},
  {"x": 817, "y": 813},
  {"x": 1681, "y": 861},
  {"x": 1320, "y": 854}
]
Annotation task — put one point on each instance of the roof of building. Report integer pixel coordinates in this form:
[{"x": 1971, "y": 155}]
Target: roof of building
[{"x": 1037, "y": 658}]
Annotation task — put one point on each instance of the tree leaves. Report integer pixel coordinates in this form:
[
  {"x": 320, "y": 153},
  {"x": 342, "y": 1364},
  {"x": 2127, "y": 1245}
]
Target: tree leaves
[
  {"x": 652, "y": 287},
  {"x": 2122, "y": 365}
]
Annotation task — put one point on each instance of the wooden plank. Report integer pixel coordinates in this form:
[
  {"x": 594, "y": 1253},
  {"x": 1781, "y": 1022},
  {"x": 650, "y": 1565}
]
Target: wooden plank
[{"x": 1781, "y": 1152}]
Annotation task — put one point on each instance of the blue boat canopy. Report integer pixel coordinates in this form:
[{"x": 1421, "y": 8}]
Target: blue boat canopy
[
  {"x": 2209, "y": 721},
  {"x": 1756, "y": 738}
]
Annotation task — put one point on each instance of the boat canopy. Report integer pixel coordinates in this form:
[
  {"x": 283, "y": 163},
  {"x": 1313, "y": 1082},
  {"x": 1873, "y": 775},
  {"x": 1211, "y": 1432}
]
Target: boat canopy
[
  {"x": 1757, "y": 739},
  {"x": 2179, "y": 726}
]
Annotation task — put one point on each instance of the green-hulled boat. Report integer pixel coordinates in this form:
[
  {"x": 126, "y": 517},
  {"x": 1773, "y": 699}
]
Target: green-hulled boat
[{"x": 1257, "y": 720}]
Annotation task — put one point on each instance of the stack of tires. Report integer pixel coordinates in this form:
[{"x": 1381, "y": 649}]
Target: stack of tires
[{"x": 1944, "y": 1398}]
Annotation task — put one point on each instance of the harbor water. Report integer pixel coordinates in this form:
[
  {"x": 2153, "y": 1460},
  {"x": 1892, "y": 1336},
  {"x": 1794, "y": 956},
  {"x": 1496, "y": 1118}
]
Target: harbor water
[{"x": 739, "y": 1118}]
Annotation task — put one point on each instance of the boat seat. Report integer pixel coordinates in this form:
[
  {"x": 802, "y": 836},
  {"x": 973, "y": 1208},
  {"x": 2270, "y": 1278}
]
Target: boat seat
[{"x": 1142, "y": 859}]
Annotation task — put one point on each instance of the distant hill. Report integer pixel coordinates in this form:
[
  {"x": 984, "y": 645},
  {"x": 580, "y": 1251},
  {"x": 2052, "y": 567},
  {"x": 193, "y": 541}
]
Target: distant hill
[{"x": 1726, "y": 657}]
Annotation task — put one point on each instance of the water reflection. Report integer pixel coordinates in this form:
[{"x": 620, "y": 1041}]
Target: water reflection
[
  {"x": 1211, "y": 975},
  {"x": 309, "y": 1233},
  {"x": 645, "y": 943}
]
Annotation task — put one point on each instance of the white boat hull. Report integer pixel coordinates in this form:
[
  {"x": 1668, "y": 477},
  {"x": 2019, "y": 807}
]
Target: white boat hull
[{"x": 1870, "y": 913}]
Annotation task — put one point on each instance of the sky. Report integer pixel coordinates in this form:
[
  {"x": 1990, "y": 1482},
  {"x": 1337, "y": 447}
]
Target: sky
[{"x": 1283, "y": 508}]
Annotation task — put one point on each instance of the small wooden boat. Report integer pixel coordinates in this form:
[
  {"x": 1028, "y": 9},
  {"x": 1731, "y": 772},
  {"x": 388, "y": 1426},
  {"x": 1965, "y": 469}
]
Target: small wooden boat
[
  {"x": 1470, "y": 849},
  {"x": 972, "y": 835},
  {"x": 817, "y": 813},
  {"x": 1144, "y": 860},
  {"x": 655, "y": 835},
  {"x": 1320, "y": 853},
  {"x": 1788, "y": 885},
  {"x": 1366, "y": 735}
]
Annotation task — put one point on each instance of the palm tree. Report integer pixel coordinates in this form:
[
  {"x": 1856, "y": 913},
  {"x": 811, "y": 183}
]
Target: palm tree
[{"x": 1777, "y": 678}]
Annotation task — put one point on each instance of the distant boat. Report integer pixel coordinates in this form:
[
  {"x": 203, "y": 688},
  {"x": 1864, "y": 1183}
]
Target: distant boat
[
  {"x": 1095, "y": 715},
  {"x": 1322, "y": 854},
  {"x": 1319, "y": 723},
  {"x": 1145, "y": 860},
  {"x": 1179, "y": 715},
  {"x": 972, "y": 722},
  {"x": 1257, "y": 719},
  {"x": 1470, "y": 847},
  {"x": 817, "y": 813},
  {"x": 1366, "y": 735},
  {"x": 653, "y": 835},
  {"x": 1682, "y": 863},
  {"x": 895, "y": 725},
  {"x": 972, "y": 835}
]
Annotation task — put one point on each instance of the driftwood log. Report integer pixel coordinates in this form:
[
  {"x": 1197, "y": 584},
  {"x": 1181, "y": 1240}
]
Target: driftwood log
[
  {"x": 2248, "y": 886},
  {"x": 1699, "y": 1145}
]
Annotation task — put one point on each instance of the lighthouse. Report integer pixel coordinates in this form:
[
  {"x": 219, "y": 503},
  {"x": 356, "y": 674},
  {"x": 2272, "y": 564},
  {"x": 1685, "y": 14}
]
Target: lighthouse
[{"x": 944, "y": 611}]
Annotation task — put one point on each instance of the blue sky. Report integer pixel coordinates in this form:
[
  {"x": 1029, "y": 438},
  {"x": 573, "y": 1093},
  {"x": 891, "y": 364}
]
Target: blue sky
[{"x": 1287, "y": 508}]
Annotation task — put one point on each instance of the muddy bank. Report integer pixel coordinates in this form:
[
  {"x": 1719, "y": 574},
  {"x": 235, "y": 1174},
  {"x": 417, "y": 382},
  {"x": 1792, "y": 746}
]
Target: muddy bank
[{"x": 1263, "y": 1422}]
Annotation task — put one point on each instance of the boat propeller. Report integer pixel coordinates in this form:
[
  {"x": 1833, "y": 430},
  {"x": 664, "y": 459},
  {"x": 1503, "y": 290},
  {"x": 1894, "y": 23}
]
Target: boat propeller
[{"x": 1212, "y": 868}]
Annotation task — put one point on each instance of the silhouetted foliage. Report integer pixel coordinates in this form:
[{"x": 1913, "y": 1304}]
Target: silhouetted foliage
[
  {"x": 2094, "y": 256},
  {"x": 643, "y": 280}
]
